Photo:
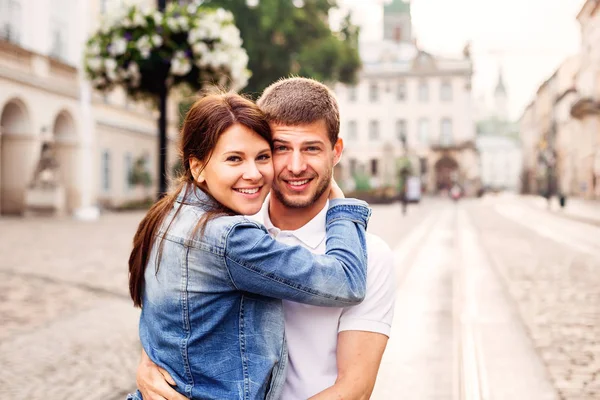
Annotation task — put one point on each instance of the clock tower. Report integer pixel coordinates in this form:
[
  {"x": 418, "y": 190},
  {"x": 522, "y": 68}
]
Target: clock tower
[{"x": 397, "y": 23}]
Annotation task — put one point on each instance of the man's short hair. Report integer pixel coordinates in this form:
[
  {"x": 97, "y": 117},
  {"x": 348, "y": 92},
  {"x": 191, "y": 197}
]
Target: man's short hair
[{"x": 300, "y": 101}]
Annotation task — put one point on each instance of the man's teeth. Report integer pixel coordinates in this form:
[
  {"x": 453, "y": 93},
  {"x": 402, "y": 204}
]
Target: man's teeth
[
  {"x": 248, "y": 191},
  {"x": 299, "y": 183}
]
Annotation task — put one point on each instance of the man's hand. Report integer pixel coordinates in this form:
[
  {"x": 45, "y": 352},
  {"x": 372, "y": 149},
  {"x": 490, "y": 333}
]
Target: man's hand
[
  {"x": 155, "y": 382},
  {"x": 358, "y": 357}
]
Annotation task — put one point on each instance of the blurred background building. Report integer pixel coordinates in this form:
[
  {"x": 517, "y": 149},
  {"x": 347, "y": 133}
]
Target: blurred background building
[
  {"x": 560, "y": 128},
  {"x": 498, "y": 143},
  {"x": 105, "y": 145},
  {"x": 410, "y": 109}
]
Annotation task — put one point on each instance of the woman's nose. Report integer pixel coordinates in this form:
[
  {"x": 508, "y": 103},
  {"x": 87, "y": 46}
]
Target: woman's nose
[{"x": 252, "y": 173}]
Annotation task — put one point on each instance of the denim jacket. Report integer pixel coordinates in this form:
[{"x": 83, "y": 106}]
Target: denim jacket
[{"x": 211, "y": 310}]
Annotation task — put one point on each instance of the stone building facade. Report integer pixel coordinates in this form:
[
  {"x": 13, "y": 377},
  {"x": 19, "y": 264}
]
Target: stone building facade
[
  {"x": 411, "y": 104},
  {"x": 45, "y": 98}
]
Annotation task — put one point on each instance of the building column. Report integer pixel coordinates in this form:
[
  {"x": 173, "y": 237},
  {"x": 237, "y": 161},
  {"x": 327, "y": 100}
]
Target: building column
[{"x": 87, "y": 209}]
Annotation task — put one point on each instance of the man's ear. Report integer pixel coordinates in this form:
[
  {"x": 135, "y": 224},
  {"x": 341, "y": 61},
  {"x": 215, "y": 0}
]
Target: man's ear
[
  {"x": 197, "y": 169},
  {"x": 338, "y": 147}
]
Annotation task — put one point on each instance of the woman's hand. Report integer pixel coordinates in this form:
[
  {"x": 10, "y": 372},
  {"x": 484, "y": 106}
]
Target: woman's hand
[
  {"x": 335, "y": 192},
  {"x": 154, "y": 382}
]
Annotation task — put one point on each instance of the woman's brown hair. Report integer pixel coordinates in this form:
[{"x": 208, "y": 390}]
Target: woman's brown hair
[{"x": 205, "y": 122}]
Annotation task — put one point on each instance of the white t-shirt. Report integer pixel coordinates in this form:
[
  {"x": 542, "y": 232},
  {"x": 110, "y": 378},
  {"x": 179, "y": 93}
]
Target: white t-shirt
[{"x": 311, "y": 331}]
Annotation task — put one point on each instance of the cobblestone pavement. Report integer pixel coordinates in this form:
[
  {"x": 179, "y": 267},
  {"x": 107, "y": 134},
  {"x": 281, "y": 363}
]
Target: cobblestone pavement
[
  {"x": 551, "y": 268},
  {"x": 68, "y": 328},
  {"x": 455, "y": 335}
]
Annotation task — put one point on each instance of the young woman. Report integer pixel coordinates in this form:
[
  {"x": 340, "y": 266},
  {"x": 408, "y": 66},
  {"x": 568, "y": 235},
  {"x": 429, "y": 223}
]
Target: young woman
[{"x": 208, "y": 279}]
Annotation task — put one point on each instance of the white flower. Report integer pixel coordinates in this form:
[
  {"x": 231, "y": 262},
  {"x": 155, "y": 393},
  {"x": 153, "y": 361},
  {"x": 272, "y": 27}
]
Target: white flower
[
  {"x": 99, "y": 82},
  {"x": 105, "y": 26},
  {"x": 230, "y": 35},
  {"x": 139, "y": 19},
  {"x": 157, "y": 40},
  {"x": 157, "y": 16},
  {"x": 146, "y": 10},
  {"x": 94, "y": 63},
  {"x": 192, "y": 8},
  {"x": 183, "y": 23},
  {"x": 133, "y": 71},
  {"x": 144, "y": 46},
  {"x": 223, "y": 15},
  {"x": 93, "y": 49},
  {"x": 180, "y": 65},
  {"x": 194, "y": 35},
  {"x": 118, "y": 46},
  {"x": 172, "y": 24},
  {"x": 112, "y": 75},
  {"x": 110, "y": 64},
  {"x": 122, "y": 74},
  {"x": 127, "y": 23},
  {"x": 200, "y": 48}
]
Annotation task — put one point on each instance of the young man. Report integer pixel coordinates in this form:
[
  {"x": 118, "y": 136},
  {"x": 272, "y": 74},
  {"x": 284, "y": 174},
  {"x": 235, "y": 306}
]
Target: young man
[{"x": 333, "y": 352}]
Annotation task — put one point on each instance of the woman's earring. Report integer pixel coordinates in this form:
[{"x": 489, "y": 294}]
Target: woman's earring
[{"x": 200, "y": 179}]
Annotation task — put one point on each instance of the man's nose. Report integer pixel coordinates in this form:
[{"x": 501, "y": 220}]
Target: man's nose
[
  {"x": 297, "y": 165},
  {"x": 252, "y": 173}
]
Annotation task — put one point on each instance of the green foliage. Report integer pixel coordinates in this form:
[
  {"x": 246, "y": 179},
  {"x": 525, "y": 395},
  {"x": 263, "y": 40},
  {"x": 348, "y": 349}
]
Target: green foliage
[
  {"x": 139, "y": 174},
  {"x": 177, "y": 168},
  {"x": 282, "y": 40},
  {"x": 362, "y": 183}
]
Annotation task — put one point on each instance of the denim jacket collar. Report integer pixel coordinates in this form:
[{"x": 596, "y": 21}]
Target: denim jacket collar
[
  {"x": 311, "y": 234},
  {"x": 194, "y": 196}
]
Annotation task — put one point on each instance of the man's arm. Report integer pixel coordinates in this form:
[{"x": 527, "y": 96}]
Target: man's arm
[
  {"x": 364, "y": 329},
  {"x": 358, "y": 357},
  {"x": 154, "y": 382}
]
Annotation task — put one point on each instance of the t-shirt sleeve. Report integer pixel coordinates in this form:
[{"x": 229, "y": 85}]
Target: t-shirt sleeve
[{"x": 376, "y": 312}]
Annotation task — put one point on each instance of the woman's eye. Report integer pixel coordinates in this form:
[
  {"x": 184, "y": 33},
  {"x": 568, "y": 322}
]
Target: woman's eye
[
  {"x": 264, "y": 157},
  {"x": 234, "y": 159}
]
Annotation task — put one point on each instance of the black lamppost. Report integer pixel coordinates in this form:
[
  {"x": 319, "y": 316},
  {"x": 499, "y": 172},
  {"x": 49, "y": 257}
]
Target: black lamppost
[{"x": 162, "y": 128}]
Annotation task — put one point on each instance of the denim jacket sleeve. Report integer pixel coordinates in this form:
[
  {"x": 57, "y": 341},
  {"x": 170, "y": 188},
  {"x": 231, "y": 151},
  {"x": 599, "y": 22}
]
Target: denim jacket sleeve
[{"x": 259, "y": 264}]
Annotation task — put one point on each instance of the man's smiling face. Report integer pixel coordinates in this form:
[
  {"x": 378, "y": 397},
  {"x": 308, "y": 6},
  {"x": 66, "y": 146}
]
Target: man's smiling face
[{"x": 303, "y": 160}]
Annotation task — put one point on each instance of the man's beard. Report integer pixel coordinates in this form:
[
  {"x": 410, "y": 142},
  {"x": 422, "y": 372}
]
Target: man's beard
[{"x": 299, "y": 203}]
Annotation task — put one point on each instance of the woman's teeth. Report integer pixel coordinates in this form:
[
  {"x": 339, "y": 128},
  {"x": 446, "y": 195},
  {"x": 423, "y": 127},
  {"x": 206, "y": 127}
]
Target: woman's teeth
[
  {"x": 299, "y": 183},
  {"x": 248, "y": 191}
]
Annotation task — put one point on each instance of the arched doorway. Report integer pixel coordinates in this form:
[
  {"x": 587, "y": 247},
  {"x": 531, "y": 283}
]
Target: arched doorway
[
  {"x": 66, "y": 150},
  {"x": 446, "y": 173},
  {"x": 17, "y": 156}
]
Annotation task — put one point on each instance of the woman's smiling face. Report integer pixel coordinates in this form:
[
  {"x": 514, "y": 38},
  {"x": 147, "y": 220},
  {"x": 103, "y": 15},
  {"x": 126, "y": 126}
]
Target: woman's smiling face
[{"x": 239, "y": 172}]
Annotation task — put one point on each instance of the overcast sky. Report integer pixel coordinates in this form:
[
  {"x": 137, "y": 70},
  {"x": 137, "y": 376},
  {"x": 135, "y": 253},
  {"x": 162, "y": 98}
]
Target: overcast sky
[{"x": 528, "y": 38}]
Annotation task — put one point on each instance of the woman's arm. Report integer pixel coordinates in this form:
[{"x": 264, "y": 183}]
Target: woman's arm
[{"x": 259, "y": 264}]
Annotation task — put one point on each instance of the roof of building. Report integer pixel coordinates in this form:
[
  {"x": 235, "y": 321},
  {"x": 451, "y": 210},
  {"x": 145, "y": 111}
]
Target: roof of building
[
  {"x": 494, "y": 126},
  {"x": 387, "y": 56},
  {"x": 397, "y": 7}
]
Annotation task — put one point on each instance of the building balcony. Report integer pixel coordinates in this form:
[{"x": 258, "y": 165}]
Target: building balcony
[
  {"x": 440, "y": 146},
  {"x": 585, "y": 106},
  {"x": 29, "y": 68}
]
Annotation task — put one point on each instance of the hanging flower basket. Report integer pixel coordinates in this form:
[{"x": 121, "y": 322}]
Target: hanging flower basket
[{"x": 146, "y": 51}]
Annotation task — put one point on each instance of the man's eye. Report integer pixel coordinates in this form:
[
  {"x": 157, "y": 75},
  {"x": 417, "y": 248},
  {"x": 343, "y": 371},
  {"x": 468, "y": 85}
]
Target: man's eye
[
  {"x": 280, "y": 148},
  {"x": 234, "y": 159},
  {"x": 312, "y": 148}
]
